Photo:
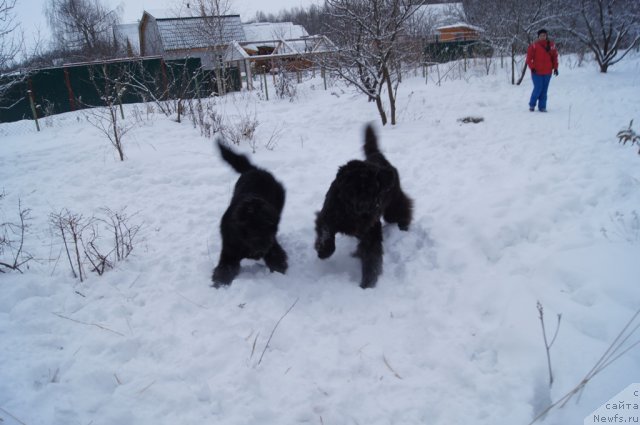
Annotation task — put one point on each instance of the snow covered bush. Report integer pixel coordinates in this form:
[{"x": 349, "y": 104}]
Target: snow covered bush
[
  {"x": 242, "y": 127},
  {"x": 12, "y": 238},
  {"x": 629, "y": 135},
  {"x": 84, "y": 245},
  {"x": 285, "y": 87},
  {"x": 625, "y": 227}
]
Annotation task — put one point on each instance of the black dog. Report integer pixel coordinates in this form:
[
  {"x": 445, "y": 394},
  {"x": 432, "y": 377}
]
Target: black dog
[
  {"x": 250, "y": 224},
  {"x": 362, "y": 193}
]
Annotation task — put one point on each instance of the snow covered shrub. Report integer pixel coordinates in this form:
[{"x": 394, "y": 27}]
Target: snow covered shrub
[
  {"x": 106, "y": 120},
  {"x": 626, "y": 227},
  {"x": 275, "y": 137},
  {"x": 242, "y": 129},
  {"x": 208, "y": 119},
  {"x": 12, "y": 238},
  {"x": 285, "y": 86},
  {"x": 629, "y": 135},
  {"x": 49, "y": 111},
  {"x": 84, "y": 245}
]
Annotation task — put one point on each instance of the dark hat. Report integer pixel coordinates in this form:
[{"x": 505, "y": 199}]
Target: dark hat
[{"x": 543, "y": 31}]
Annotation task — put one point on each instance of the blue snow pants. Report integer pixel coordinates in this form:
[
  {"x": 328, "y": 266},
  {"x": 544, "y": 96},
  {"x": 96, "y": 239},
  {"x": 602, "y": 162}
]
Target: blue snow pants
[{"x": 539, "y": 94}]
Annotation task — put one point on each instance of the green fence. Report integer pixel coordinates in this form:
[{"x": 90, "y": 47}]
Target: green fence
[{"x": 73, "y": 87}]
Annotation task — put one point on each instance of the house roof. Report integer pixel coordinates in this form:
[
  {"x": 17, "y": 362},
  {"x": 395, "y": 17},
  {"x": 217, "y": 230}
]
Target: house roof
[
  {"x": 440, "y": 15},
  {"x": 198, "y": 32},
  {"x": 263, "y": 31}
]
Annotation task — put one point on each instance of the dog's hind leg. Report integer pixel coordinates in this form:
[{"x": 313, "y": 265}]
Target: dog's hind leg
[
  {"x": 276, "y": 259},
  {"x": 227, "y": 269},
  {"x": 400, "y": 210},
  {"x": 370, "y": 253}
]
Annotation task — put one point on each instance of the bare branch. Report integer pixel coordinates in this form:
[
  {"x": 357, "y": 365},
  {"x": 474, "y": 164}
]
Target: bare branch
[{"x": 274, "y": 329}]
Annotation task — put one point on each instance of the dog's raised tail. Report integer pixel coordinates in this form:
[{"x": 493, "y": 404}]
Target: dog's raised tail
[
  {"x": 370, "y": 142},
  {"x": 239, "y": 162}
]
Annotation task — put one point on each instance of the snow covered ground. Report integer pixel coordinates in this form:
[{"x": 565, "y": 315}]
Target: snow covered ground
[{"x": 520, "y": 208}]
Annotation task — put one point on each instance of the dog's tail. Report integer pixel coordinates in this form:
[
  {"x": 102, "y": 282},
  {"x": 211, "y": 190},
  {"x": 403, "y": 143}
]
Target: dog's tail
[
  {"x": 370, "y": 142},
  {"x": 240, "y": 163}
]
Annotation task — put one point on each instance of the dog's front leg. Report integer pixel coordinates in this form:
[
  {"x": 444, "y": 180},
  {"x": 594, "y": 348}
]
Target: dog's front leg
[
  {"x": 325, "y": 239},
  {"x": 370, "y": 253},
  {"x": 276, "y": 259},
  {"x": 227, "y": 269},
  {"x": 400, "y": 210}
]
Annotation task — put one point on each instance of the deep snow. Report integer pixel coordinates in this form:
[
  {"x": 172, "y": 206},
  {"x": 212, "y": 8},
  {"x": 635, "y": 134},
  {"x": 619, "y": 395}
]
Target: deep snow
[{"x": 520, "y": 208}]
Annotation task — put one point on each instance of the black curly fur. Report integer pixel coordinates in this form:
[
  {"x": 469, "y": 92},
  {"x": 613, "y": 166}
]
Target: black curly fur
[
  {"x": 250, "y": 223},
  {"x": 362, "y": 193}
]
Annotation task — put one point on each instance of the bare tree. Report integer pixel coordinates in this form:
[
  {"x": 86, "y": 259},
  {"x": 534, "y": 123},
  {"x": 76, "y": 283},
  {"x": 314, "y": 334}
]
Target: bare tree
[
  {"x": 214, "y": 29},
  {"x": 110, "y": 84},
  {"x": 609, "y": 28},
  {"x": 369, "y": 34},
  {"x": 510, "y": 25},
  {"x": 12, "y": 238},
  {"x": 10, "y": 36},
  {"x": 11, "y": 40},
  {"x": 172, "y": 90},
  {"x": 83, "y": 27}
]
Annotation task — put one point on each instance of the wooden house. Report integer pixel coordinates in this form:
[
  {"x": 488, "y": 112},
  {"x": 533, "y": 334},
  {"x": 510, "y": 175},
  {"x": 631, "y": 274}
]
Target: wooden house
[{"x": 174, "y": 37}]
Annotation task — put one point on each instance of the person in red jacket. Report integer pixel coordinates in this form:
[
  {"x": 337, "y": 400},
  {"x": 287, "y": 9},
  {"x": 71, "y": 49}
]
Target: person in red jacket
[{"x": 542, "y": 59}]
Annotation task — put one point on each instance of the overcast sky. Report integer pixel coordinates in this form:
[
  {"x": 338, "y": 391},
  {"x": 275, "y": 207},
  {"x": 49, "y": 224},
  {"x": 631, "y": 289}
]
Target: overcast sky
[{"x": 30, "y": 13}]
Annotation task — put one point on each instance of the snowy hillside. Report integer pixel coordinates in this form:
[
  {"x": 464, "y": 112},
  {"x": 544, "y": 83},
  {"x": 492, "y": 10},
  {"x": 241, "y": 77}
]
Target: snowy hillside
[{"x": 520, "y": 208}]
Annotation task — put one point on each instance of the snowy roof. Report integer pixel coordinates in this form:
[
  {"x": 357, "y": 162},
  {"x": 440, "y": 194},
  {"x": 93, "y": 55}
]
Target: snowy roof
[
  {"x": 198, "y": 32},
  {"x": 440, "y": 15},
  {"x": 263, "y": 31},
  {"x": 460, "y": 24}
]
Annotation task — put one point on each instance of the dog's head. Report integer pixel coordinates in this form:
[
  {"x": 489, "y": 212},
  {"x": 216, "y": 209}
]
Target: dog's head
[
  {"x": 364, "y": 187},
  {"x": 256, "y": 223}
]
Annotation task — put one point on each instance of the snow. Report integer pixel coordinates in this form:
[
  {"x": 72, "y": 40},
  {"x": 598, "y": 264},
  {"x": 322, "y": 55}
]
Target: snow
[{"x": 520, "y": 208}]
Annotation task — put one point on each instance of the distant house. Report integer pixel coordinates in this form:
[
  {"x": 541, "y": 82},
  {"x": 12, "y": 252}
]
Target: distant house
[
  {"x": 171, "y": 37},
  {"x": 223, "y": 42},
  {"x": 444, "y": 22},
  {"x": 276, "y": 40},
  {"x": 445, "y": 33}
]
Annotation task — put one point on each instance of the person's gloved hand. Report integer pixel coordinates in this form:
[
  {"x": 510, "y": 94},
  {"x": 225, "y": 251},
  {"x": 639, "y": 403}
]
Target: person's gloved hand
[
  {"x": 555, "y": 72},
  {"x": 533, "y": 70}
]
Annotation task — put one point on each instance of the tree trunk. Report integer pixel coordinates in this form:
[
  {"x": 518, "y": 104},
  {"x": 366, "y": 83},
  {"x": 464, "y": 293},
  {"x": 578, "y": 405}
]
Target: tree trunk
[
  {"x": 523, "y": 73},
  {"x": 392, "y": 100},
  {"x": 513, "y": 64},
  {"x": 383, "y": 115}
]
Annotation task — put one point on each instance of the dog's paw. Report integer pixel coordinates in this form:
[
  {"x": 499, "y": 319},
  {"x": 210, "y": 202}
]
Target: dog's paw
[
  {"x": 325, "y": 249},
  {"x": 325, "y": 244},
  {"x": 368, "y": 284},
  {"x": 403, "y": 226},
  {"x": 277, "y": 263},
  {"x": 224, "y": 275},
  {"x": 276, "y": 259},
  {"x": 280, "y": 268}
]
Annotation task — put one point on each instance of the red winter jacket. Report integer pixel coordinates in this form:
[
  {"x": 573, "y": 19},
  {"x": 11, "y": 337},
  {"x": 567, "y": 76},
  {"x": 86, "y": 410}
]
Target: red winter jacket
[{"x": 542, "y": 56}]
